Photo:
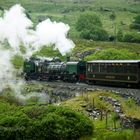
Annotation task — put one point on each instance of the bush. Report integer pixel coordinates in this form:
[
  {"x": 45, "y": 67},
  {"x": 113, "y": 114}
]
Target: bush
[
  {"x": 94, "y": 33},
  {"x": 112, "y": 54},
  {"x": 136, "y": 23},
  {"x": 120, "y": 35},
  {"x": 90, "y": 27},
  {"x": 132, "y": 37},
  {"x": 52, "y": 122}
]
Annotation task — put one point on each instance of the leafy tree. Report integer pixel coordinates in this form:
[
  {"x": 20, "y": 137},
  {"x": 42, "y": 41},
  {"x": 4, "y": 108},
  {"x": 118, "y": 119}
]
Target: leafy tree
[
  {"x": 136, "y": 23},
  {"x": 86, "y": 20},
  {"x": 115, "y": 118},
  {"x": 113, "y": 18},
  {"x": 90, "y": 27},
  {"x": 95, "y": 33},
  {"x": 120, "y": 35}
]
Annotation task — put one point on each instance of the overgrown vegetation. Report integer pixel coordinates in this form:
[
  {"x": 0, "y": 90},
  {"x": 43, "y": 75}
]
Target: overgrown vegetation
[
  {"x": 69, "y": 11},
  {"x": 118, "y": 21},
  {"x": 136, "y": 23},
  {"x": 112, "y": 54},
  {"x": 40, "y": 122},
  {"x": 90, "y": 27},
  {"x": 103, "y": 127}
]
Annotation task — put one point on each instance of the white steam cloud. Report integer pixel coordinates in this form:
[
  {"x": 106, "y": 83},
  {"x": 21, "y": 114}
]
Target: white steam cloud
[
  {"x": 14, "y": 27},
  {"x": 17, "y": 30},
  {"x": 48, "y": 32},
  {"x": 6, "y": 69}
]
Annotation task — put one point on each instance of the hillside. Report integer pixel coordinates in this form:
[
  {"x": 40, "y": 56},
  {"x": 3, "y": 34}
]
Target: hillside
[
  {"x": 69, "y": 10},
  {"x": 43, "y": 99}
]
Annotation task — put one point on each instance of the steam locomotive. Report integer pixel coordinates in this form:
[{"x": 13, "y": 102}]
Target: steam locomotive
[{"x": 110, "y": 72}]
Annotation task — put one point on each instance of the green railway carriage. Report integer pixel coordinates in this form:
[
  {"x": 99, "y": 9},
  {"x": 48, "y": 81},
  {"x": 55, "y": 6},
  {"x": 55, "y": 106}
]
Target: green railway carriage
[
  {"x": 113, "y": 71},
  {"x": 75, "y": 71}
]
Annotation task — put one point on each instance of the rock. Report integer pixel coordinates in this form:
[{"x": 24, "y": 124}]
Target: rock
[
  {"x": 89, "y": 110},
  {"x": 117, "y": 104},
  {"x": 84, "y": 105}
]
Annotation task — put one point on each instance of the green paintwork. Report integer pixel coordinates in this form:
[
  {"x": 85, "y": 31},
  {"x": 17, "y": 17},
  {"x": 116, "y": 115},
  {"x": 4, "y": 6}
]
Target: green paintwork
[
  {"x": 76, "y": 67},
  {"x": 71, "y": 68},
  {"x": 29, "y": 67}
]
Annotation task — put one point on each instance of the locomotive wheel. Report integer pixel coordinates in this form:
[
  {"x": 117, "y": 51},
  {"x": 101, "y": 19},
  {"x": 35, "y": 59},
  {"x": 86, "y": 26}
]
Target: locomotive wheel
[
  {"x": 89, "y": 82},
  {"x": 74, "y": 78},
  {"x": 26, "y": 78},
  {"x": 38, "y": 78}
]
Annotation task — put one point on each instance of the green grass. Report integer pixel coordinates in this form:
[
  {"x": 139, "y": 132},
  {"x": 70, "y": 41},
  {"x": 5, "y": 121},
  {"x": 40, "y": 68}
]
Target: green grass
[
  {"x": 94, "y": 46},
  {"x": 129, "y": 107},
  {"x": 68, "y": 11}
]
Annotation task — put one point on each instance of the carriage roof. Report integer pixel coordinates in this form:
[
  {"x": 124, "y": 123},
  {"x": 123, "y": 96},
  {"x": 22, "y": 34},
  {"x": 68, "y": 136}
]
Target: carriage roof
[{"x": 114, "y": 61}]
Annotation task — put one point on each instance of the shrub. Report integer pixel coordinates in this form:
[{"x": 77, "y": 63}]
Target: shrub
[
  {"x": 90, "y": 27},
  {"x": 120, "y": 35},
  {"x": 94, "y": 33},
  {"x": 112, "y": 54},
  {"x": 136, "y": 23},
  {"x": 132, "y": 37},
  {"x": 51, "y": 122}
]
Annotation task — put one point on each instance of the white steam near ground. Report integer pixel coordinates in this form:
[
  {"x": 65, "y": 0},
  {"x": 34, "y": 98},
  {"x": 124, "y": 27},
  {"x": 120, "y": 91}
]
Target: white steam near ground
[{"x": 16, "y": 30}]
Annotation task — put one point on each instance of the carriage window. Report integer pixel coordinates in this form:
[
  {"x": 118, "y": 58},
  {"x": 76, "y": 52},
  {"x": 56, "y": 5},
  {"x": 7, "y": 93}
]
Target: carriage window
[
  {"x": 96, "y": 68},
  {"x": 132, "y": 68},
  {"x": 103, "y": 68},
  {"x": 88, "y": 67},
  {"x": 91, "y": 70},
  {"x": 139, "y": 65}
]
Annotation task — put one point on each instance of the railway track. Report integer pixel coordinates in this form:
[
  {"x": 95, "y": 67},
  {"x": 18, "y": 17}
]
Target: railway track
[{"x": 78, "y": 88}]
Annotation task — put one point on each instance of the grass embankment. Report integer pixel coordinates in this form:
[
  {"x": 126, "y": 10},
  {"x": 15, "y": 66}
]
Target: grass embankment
[
  {"x": 89, "y": 45},
  {"x": 42, "y": 122},
  {"x": 129, "y": 107},
  {"x": 103, "y": 129}
]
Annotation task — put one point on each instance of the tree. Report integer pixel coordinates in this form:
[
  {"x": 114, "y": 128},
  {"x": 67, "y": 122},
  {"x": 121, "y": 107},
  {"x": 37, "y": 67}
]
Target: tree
[
  {"x": 120, "y": 35},
  {"x": 113, "y": 18},
  {"x": 90, "y": 27},
  {"x": 115, "y": 118},
  {"x": 136, "y": 23}
]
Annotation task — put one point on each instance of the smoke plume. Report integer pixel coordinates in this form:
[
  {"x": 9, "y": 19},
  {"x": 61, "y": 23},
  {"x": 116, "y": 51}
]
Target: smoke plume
[{"x": 16, "y": 30}]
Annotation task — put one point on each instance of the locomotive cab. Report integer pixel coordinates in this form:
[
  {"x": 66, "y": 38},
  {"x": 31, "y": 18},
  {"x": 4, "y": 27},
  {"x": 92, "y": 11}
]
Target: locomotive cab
[
  {"x": 30, "y": 69},
  {"x": 75, "y": 71}
]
